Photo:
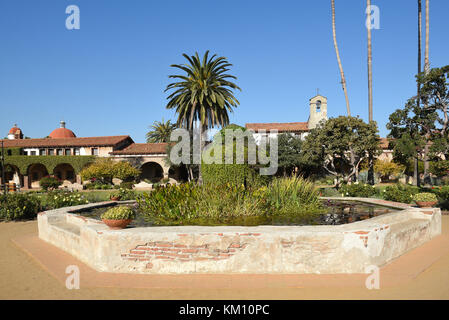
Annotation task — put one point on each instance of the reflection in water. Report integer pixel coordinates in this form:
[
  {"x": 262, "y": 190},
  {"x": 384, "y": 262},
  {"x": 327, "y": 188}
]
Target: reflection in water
[
  {"x": 336, "y": 212},
  {"x": 341, "y": 212}
]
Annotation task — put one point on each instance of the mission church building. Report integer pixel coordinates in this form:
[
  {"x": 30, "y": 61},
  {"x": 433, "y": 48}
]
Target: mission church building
[
  {"x": 69, "y": 154},
  {"x": 26, "y": 160},
  {"x": 318, "y": 112}
]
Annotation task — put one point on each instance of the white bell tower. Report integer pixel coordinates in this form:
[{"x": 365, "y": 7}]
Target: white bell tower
[{"x": 318, "y": 110}]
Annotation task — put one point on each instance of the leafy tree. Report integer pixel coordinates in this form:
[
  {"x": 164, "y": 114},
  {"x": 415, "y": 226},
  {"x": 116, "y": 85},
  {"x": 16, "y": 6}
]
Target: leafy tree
[
  {"x": 411, "y": 129},
  {"x": 203, "y": 93},
  {"x": 160, "y": 131},
  {"x": 340, "y": 144},
  {"x": 435, "y": 96},
  {"x": 289, "y": 153},
  {"x": 420, "y": 125}
]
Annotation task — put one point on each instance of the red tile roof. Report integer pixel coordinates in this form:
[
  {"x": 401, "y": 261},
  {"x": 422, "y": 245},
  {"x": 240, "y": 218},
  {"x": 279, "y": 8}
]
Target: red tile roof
[
  {"x": 281, "y": 127},
  {"x": 110, "y": 141},
  {"x": 143, "y": 148}
]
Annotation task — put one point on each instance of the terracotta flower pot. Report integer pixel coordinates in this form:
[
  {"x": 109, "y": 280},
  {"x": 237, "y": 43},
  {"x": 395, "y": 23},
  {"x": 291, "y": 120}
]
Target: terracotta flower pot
[
  {"x": 117, "y": 224},
  {"x": 426, "y": 204},
  {"x": 115, "y": 198}
]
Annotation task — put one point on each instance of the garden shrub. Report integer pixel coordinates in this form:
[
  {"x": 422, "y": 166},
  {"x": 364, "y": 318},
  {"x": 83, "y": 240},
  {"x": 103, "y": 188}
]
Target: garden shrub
[
  {"x": 326, "y": 180},
  {"x": 385, "y": 169},
  {"x": 424, "y": 197},
  {"x": 400, "y": 193},
  {"x": 104, "y": 170},
  {"x": 124, "y": 171},
  {"x": 18, "y": 206},
  {"x": 442, "y": 194},
  {"x": 124, "y": 194},
  {"x": 60, "y": 199},
  {"x": 357, "y": 190},
  {"x": 126, "y": 185},
  {"x": 98, "y": 185},
  {"x": 231, "y": 173},
  {"x": 119, "y": 213},
  {"x": 49, "y": 183},
  {"x": 235, "y": 174}
]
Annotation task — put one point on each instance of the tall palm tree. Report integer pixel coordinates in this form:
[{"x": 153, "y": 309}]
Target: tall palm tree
[
  {"x": 426, "y": 71},
  {"x": 370, "y": 88},
  {"x": 160, "y": 131},
  {"x": 370, "y": 65},
  {"x": 203, "y": 94},
  {"x": 342, "y": 74},
  {"x": 427, "y": 59},
  {"x": 415, "y": 160}
]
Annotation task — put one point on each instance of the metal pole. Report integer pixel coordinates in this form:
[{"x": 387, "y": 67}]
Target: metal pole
[{"x": 3, "y": 169}]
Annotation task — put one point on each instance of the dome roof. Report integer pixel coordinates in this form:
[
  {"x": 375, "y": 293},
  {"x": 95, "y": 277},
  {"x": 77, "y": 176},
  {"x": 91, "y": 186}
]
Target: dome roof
[
  {"x": 62, "y": 132},
  {"x": 14, "y": 129}
]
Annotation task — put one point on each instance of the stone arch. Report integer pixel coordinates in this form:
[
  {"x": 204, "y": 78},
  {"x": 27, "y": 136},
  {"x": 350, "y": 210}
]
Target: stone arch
[
  {"x": 13, "y": 175},
  {"x": 178, "y": 173},
  {"x": 65, "y": 172},
  {"x": 35, "y": 173},
  {"x": 151, "y": 171}
]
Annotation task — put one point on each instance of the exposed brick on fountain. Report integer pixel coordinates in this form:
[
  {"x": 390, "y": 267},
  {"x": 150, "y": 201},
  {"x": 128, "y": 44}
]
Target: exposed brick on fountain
[{"x": 347, "y": 248}]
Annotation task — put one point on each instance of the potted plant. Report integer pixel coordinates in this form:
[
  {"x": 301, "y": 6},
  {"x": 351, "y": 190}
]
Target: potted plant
[
  {"x": 115, "y": 196},
  {"x": 425, "y": 199},
  {"x": 118, "y": 217}
]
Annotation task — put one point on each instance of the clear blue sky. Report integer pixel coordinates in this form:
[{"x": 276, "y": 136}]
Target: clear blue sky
[{"x": 108, "y": 78}]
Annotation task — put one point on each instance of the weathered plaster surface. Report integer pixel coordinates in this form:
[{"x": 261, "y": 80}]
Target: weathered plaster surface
[{"x": 346, "y": 248}]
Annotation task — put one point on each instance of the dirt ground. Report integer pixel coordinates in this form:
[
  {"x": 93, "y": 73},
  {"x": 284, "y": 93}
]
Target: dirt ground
[{"x": 21, "y": 277}]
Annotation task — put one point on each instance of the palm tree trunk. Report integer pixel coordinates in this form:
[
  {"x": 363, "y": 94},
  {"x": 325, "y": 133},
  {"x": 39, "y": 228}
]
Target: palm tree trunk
[
  {"x": 415, "y": 167},
  {"x": 426, "y": 71},
  {"x": 342, "y": 74},
  {"x": 370, "y": 67},
  {"x": 200, "y": 176},
  {"x": 370, "y": 90},
  {"x": 427, "y": 59}
]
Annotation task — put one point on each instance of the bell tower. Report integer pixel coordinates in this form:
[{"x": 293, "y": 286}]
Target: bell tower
[{"x": 318, "y": 110}]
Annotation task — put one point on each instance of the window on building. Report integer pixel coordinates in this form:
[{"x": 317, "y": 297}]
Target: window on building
[
  {"x": 32, "y": 153},
  {"x": 77, "y": 151},
  {"x": 95, "y": 151},
  {"x": 68, "y": 152},
  {"x": 9, "y": 153},
  {"x": 51, "y": 152},
  {"x": 42, "y": 152}
]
